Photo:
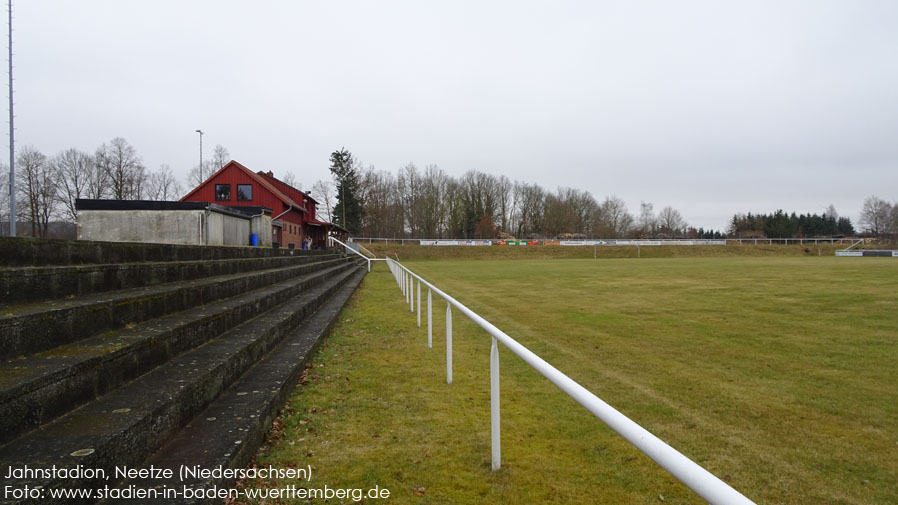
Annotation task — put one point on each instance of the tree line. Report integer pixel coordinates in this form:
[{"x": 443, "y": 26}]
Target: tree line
[
  {"x": 47, "y": 186},
  {"x": 413, "y": 202},
  {"x": 782, "y": 225},
  {"x": 429, "y": 203}
]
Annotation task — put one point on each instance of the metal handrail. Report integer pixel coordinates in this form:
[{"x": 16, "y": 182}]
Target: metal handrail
[
  {"x": 703, "y": 482},
  {"x": 330, "y": 243},
  {"x": 740, "y": 241},
  {"x": 365, "y": 249}
]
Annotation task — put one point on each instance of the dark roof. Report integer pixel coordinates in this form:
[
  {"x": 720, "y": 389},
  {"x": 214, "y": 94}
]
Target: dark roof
[
  {"x": 250, "y": 209},
  {"x": 329, "y": 226},
  {"x": 241, "y": 211}
]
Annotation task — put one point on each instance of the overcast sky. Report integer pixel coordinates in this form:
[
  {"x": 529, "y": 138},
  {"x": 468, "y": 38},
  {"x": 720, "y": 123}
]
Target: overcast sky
[{"x": 711, "y": 107}]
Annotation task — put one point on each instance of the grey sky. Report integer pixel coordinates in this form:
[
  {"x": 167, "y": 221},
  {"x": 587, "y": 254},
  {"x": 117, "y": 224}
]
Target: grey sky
[{"x": 711, "y": 107}]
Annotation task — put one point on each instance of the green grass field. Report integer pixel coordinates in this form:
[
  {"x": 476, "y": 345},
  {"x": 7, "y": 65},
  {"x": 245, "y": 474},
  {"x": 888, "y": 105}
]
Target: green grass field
[{"x": 777, "y": 374}]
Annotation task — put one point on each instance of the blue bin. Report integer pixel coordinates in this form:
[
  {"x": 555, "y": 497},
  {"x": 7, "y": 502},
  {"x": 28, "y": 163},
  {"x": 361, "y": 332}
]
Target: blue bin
[{"x": 254, "y": 239}]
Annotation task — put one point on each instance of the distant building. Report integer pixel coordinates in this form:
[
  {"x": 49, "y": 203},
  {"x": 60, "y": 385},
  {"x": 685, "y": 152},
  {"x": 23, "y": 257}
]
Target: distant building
[{"x": 294, "y": 212}]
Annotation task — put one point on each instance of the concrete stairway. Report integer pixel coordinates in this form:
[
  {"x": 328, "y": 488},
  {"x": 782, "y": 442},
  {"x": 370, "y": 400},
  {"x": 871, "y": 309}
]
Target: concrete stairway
[{"x": 152, "y": 362}]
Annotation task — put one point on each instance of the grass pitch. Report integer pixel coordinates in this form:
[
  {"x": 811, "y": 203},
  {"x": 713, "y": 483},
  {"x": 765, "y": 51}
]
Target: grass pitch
[{"x": 777, "y": 374}]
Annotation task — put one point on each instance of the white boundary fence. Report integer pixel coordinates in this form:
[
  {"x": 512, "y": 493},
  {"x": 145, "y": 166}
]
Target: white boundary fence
[
  {"x": 611, "y": 242},
  {"x": 704, "y": 483}
]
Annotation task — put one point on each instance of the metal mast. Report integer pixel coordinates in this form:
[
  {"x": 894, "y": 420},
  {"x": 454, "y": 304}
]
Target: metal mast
[
  {"x": 12, "y": 141},
  {"x": 202, "y": 175}
]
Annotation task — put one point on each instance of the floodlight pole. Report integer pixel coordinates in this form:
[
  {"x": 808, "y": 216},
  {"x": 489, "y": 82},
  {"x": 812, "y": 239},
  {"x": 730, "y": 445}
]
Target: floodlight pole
[
  {"x": 202, "y": 176},
  {"x": 12, "y": 141}
]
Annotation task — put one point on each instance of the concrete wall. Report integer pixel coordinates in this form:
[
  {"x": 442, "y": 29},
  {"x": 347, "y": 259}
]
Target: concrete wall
[
  {"x": 225, "y": 229},
  {"x": 191, "y": 227},
  {"x": 156, "y": 226},
  {"x": 261, "y": 226}
]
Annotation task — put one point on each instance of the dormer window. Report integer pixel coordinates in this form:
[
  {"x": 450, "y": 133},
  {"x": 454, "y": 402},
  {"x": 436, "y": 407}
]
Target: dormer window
[{"x": 222, "y": 192}]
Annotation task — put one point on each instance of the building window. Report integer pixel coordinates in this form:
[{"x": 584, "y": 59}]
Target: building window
[
  {"x": 244, "y": 192},
  {"x": 222, "y": 192}
]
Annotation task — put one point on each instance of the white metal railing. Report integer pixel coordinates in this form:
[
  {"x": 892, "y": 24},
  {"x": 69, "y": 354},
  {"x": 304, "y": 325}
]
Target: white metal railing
[
  {"x": 366, "y": 251},
  {"x": 332, "y": 240},
  {"x": 703, "y": 482},
  {"x": 612, "y": 242},
  {"x": 859, "y": 242}
]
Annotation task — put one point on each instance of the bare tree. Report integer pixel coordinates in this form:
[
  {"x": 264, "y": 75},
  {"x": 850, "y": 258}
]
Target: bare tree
[
  {"x": 124, "y": 168},
  {"x": 875, "y": 216},
  {"x": 97, "y": 183},
  {"x": 323, "y": 193},
  {"x": 433, "y": 193},
  {"x": 613, "y": 220},
  {"x": 383, "y": 215},
  {"x": 559, "y": 218},
  {"x": 670, "y": 223},
  {"x": 531, "y": 209},
  {"x": 220, "y": 157},
  {"x": 831, "y": 212},
  {"x": 893, "y": 221},
  {"x": 455, "y": 209},
  {"x": 647, "y": 221},
  {"x": 505, "y": 202},
  {"x": 36, "y": 185},
  {"x": 199, "y": 173},
  {"x": 583, "y": 206},
  {"x": 73, "y": 170},
  {"x": 289, "y": 179},
  {"x": 162, "y": 184}
]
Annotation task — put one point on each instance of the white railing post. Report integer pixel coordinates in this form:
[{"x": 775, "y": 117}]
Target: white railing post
[
  {"x": 429, "y": 321},
  {"x": 448, "y": 343},
  {"x": 411, "y": 293},
  {"x": 494, "y": 406},
  {"x": 419, "y": 304}
]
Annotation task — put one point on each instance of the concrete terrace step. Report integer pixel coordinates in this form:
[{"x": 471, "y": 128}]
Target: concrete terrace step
[
  {"x": 37, "y": 327},
  {"x": 27, "y": 284},
  {"x": 27, "y": 251},
  {"x": 128, "y": 424},
  {"x": 228, "y": 432},
  {"x": 36, "y": 389}
]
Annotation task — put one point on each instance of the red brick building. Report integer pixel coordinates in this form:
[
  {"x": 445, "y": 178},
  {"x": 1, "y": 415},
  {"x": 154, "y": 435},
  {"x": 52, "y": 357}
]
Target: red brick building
[{"x": 294, "y": 212}]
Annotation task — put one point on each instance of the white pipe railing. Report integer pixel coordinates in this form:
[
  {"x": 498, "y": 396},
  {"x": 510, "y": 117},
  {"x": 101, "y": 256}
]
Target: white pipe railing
[
  {"x": 703, "y": 482},
  {"x": 740, "y": 241},
  {"x": 332, "y": 240},
  {"x": 859, "y": 242},
  {"x": 366, "y": 251}
]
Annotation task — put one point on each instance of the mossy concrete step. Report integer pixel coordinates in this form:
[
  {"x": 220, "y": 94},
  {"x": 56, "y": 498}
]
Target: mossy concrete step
[
  {"x": 230, "y": 430},
  {"x": 28, "y": 251},
  {"x": 36, "y": 389},
  {"x": 125, "y": 426},
  {"x": 41, "y": 326},
  {"x": 28, "y": 284}
]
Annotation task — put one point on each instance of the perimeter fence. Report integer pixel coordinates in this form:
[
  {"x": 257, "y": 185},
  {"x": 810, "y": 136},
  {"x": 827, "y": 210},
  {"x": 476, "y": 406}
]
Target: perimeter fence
[
  {"x": 704, "y": 483},
  {"x": 606, "y": 242}
]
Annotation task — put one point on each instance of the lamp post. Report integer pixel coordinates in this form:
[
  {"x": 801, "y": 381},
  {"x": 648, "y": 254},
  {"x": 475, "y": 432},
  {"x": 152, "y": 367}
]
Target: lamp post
[{"x": 202, "y": 175}]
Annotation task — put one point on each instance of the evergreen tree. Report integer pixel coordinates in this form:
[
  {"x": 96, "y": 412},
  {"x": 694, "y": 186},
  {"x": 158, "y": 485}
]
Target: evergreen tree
[{"x": 348, "y": 210}]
